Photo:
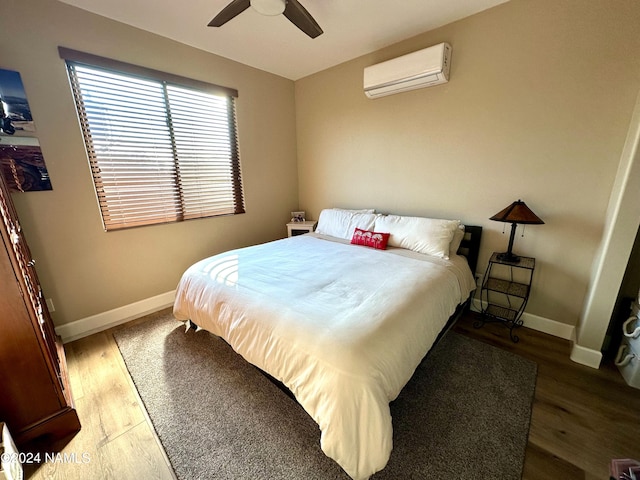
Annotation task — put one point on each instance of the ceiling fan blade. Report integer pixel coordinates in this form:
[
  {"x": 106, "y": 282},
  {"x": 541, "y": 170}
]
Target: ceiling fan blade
[
  {"x": 233, "y": 9},
  {"x": 302, "y": 19}
]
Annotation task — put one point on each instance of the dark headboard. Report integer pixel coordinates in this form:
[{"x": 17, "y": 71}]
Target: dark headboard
[{"x": 470, "y": 245}]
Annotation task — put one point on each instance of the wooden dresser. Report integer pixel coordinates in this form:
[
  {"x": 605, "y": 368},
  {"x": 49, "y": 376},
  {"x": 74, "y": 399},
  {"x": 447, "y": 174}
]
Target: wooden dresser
[{"x": 35, "y": 398}]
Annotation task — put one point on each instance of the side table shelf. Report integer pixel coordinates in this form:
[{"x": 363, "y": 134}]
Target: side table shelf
[{"x": 505, "y": 291}]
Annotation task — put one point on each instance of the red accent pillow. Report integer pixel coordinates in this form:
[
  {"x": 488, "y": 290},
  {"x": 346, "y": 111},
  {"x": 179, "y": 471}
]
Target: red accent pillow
[{"x": 370, "y": 239}]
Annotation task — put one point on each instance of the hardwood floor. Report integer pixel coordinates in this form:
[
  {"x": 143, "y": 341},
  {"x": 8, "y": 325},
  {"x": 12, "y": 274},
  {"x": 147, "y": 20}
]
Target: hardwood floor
[
  {"x": 116, "y": 435},
  {"x": 581, "y": 418}
]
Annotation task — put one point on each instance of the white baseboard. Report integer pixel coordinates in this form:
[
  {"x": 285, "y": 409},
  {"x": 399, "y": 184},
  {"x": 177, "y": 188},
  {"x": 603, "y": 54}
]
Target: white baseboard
[
  {"x": 546, "y": 325},
  {"x": 583, "y": 355},
  {"x": 586, "y": 356},
  {"x": 541, "y": 324},
  {"x": 102, "y": 321}
]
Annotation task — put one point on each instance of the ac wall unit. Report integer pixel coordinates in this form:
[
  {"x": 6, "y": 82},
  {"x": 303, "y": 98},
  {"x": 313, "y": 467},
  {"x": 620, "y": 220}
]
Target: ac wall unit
[{"x": 420, "y": 69}]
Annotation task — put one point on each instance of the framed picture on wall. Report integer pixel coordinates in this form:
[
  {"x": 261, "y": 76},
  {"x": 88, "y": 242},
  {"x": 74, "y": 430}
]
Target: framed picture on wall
[
  {"x": 14, "y": 107},
  {"x": 23, "y": 167},
  {"x": 21, "y": 159}
]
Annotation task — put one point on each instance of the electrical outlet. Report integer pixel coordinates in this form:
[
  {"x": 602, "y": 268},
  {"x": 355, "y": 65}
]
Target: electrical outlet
[
  {"x": 50, "y": 305},
  {"x": 478, "y": 278}
]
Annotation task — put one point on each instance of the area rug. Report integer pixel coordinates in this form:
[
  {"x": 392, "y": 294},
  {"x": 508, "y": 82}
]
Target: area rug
[{"x": 465, "y": 414}]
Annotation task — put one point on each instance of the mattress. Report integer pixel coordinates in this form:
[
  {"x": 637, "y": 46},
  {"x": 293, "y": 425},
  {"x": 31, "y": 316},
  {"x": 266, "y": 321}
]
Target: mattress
[{"x": 342, "y": 326}]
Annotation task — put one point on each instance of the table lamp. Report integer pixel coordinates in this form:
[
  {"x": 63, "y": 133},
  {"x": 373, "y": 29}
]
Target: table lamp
[{"x": 517, "y": 212}]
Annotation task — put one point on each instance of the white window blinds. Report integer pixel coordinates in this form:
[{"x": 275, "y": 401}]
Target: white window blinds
[{"x": 159, "y": 151}]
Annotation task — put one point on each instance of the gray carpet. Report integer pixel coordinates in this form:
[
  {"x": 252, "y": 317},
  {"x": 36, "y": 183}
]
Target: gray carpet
[{"x": 465, "y": 414}]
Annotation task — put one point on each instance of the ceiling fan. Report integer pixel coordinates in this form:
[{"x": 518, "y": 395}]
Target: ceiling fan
[{"x": 296, "y": 13}]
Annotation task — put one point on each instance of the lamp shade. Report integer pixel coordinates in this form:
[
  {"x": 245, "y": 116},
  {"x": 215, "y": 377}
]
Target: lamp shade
[{"x": 517, "y": 212}]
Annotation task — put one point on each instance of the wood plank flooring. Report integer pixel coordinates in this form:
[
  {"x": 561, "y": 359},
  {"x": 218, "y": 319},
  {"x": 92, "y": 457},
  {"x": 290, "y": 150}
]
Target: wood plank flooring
[
  {"x": 581, "y": 419},
  {"x": 116, "y": 436}
]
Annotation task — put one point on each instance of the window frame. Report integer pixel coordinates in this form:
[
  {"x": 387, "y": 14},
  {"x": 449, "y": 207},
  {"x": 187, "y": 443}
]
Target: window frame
[{"x": 167, "y": 80}]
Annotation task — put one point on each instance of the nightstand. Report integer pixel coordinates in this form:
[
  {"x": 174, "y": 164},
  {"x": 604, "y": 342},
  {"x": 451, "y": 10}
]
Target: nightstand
[
  {"x": 505, "y": 291},
  {"x": 300, "y": 228}
]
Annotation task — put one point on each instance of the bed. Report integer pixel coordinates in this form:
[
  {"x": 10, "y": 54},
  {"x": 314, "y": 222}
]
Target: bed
[{"x": 342, "y": 316}]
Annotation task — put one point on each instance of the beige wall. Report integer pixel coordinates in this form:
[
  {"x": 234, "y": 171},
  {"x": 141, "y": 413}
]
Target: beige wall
[
  {"x": 538, "y": 107},
  {"x": 85, "y": 270}
]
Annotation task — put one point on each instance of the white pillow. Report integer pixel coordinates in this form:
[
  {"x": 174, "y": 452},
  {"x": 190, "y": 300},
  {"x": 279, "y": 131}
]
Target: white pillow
[
  {"x": 342, "y": 223},
  {"x": 458, "y": 235},
  {"x": 423, "y": 235},
  {"x": 363, "y": 210}
]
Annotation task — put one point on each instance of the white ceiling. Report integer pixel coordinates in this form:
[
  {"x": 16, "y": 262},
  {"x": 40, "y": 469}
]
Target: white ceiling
[{"x": 351, "y": 28}]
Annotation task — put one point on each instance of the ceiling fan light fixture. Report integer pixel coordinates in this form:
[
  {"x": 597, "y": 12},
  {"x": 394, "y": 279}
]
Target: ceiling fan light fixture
[
  {"x": 269, "y": 7},
  {"x": 295, "y": 13}
]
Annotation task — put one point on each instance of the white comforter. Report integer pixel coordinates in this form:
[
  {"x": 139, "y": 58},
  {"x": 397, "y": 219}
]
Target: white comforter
[{"x": 342, "y": 326}]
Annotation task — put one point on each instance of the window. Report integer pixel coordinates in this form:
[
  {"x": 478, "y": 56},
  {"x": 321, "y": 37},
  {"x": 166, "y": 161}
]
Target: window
[{"x": 161, "y": 148}]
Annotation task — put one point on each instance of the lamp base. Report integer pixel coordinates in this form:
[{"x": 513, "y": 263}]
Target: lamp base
[{"x": 508, "y": 257}]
